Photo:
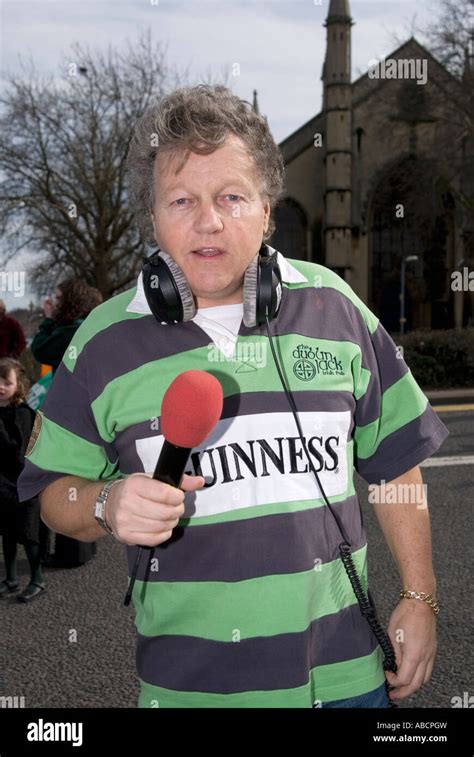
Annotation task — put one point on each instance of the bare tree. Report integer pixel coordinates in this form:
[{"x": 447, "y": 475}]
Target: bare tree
[
  {"x": 62, "y": 163},
  {"x": 450, "y": 37}
]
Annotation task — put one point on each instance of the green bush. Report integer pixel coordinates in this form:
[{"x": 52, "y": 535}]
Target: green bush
[{"x": 440, "y": 359}]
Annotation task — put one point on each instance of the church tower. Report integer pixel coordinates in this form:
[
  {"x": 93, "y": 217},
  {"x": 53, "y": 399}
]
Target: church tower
[{"x": 337, "y": 106}]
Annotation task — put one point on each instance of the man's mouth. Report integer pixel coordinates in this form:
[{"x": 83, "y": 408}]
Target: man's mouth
[{"x": 208, "y": 252}]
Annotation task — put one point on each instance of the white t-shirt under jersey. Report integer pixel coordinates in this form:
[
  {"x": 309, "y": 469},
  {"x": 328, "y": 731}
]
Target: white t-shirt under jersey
[{"x": 222, "y": 324}]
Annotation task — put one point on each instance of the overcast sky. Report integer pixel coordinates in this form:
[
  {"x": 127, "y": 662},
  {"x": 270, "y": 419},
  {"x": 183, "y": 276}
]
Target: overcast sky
[{"x": 278, "y": 44}]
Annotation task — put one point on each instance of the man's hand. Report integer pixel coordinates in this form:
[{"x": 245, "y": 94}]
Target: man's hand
[
  {"x": 412, "y": 630},
  {"x": 141, "y": 510}
]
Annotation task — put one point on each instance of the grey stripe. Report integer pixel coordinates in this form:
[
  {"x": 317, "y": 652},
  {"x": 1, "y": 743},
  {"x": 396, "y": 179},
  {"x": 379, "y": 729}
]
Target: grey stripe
[
  {"x": 317, "y": 313},
  {"x": 186, "y": 663},
  {"x": 130, "y": 344},
  {"x": 33, "y": 480},
  {"x": 243, "y": 549},
  {"x": 404, "y": 448},
  {"x": 73, "y": 396}
]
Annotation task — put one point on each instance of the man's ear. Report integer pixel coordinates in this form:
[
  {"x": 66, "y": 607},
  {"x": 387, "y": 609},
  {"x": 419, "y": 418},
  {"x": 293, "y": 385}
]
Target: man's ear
[{"x": 266, "y": 218}]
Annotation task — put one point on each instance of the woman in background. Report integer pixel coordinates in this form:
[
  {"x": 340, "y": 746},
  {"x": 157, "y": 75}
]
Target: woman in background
[{"x": 73, "y": 301}]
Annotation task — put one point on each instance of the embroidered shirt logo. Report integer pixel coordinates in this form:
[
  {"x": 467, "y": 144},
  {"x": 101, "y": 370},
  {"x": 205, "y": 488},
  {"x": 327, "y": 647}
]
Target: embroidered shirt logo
[{"x": 312, "y": 361}]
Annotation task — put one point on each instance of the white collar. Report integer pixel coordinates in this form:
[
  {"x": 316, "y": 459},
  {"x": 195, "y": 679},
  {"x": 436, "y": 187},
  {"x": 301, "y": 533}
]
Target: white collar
[{"x": 289, "y": 274}]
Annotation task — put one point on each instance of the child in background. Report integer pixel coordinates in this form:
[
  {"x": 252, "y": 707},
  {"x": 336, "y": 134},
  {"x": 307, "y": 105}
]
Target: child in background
[{"x": 19, "y": 523}]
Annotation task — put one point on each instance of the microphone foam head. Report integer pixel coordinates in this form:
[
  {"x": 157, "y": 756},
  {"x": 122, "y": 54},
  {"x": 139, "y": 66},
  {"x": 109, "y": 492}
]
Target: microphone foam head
[{"x": 191, "y": 407}]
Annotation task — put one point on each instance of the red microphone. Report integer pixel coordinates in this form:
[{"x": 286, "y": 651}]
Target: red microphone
[{"x": 191, "y": 407}]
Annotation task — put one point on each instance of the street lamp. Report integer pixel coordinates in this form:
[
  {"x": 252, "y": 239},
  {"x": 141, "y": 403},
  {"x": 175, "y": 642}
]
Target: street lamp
[{"x": 406, "y": 260}]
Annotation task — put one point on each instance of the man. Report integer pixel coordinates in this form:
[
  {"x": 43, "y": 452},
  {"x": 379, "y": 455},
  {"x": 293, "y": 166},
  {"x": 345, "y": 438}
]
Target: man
[
  {"x": 12, "y": 337},
  {"x": 245, "y": 602}
]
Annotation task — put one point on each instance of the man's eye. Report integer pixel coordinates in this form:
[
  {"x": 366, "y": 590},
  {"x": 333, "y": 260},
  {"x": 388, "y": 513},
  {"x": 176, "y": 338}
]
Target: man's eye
[
  {"x": 234, "y": 198},
  {"x": 180, "y": 201}
]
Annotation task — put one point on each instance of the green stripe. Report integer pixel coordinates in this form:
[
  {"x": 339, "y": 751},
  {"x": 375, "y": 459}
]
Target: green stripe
[
  {"x": 340, "y": 680},
  {"x": 60, "y": 451},
  {"x": 331, "y": 280},
  {"x": 264, "y": 606},
  {"x": 395, "y": 411},
  {"x": 126, "y": 399},
  {"x": 259, "y": 511},
  {"x": 362, "y": 384}
]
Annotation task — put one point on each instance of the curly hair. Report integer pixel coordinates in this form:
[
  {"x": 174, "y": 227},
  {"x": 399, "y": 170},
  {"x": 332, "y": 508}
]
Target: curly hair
[
  {"x": 199, "y": 119},
  {"x": 78, "y": 299},
  {"x": 8, "y": 364}
]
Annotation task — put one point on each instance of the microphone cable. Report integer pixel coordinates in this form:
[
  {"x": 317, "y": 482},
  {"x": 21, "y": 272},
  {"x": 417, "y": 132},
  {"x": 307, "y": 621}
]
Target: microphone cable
[{"x": 367, "y": 608}]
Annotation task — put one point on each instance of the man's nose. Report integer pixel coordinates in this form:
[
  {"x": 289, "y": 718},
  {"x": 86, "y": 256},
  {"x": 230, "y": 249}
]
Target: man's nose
[{"x": 208, "y": 219}]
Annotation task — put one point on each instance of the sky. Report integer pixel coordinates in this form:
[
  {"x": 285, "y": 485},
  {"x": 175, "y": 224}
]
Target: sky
[{"x": 274, "y": 46}]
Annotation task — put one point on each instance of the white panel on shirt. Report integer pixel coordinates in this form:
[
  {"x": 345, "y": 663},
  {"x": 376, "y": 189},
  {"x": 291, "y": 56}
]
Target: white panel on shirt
[{"x": 262, "y": 482}]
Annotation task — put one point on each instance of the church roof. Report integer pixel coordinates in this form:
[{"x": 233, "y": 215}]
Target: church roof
[{"x": 364, "y": 87}]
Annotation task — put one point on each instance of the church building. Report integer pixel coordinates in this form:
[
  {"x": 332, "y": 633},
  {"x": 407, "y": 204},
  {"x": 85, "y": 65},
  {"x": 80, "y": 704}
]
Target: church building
[{"x": 381, "y": 181}]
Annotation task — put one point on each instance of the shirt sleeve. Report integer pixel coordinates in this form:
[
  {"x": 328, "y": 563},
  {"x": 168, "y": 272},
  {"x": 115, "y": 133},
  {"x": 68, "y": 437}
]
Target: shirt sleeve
[
  {"x": 395, "y": 426},
  {"x": 65, "y": 440}
]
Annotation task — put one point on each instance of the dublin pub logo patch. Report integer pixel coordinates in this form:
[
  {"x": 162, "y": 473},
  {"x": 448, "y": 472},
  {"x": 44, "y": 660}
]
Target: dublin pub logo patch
[{"x": 312, "y": 361}]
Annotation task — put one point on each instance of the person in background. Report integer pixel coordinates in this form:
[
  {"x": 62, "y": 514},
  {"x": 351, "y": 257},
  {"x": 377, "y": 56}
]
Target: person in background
[
  {"x": 73, "y": 301},
  {"x": 12, "y": 337},
  {"x": 19, "y": 523}
]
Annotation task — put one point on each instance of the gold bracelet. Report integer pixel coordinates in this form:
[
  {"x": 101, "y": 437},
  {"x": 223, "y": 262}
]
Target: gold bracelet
[{"x": 428, "y": 598}]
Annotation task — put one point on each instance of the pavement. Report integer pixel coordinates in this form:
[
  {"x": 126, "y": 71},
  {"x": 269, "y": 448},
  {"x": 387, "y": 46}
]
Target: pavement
[{"x": 74, "y": 646}]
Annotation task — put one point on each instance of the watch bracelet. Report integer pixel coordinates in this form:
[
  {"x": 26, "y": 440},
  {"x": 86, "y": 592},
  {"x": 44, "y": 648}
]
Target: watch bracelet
[{"x": 108, "y": 487}]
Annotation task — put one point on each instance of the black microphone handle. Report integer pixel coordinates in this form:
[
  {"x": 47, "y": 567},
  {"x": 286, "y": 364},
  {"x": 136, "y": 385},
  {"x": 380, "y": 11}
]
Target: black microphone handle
[
  {"x": 171, "y": 464},
  {"x": 169, "y": 469}
]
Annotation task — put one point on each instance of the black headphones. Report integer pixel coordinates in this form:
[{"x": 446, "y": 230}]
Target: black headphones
[{"x": 171, "y": 300}]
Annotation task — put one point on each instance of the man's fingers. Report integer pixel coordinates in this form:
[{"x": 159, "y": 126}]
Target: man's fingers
[
  {"x": 429, "y": 670},
  {"x": 412, "y": 686},
  {"x": 148, "y": 488},
  {"x": 406, "y": 671},
  {"x": 146, "y": 538},
  {"x": 191, "y": 483}
]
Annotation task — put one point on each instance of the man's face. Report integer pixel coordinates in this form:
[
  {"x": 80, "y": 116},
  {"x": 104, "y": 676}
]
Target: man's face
[{"x": 213, "y": 202}]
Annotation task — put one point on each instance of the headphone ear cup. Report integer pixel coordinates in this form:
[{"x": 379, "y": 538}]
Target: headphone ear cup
[
  {"x": 262, "y": 289},
  {"x": 167, "y": 292},
  {"x": 250, "y": 292}
]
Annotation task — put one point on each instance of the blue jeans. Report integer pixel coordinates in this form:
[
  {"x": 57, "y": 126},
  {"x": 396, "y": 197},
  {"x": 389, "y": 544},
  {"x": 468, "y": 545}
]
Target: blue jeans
[{"x": 376, "y": 698}]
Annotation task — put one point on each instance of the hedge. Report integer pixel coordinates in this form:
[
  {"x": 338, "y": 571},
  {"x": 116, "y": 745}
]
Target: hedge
[{"x": 440, "y": 359}]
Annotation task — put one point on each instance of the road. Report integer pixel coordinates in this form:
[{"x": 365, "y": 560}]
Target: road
[{"x": 74, "y": 646}]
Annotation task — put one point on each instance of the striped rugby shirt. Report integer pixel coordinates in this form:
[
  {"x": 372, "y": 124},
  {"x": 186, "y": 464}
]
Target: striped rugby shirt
[{"x": 248, "y": 604}]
